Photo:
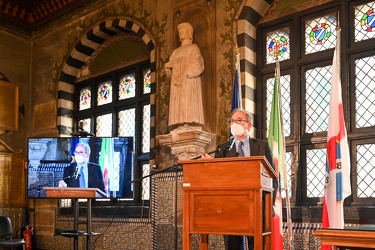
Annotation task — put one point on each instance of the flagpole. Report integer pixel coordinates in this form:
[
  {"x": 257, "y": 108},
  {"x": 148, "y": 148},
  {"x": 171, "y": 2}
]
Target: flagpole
[
  {"x": 337, "y": 176},
  {"x": 285, "y": 174}
]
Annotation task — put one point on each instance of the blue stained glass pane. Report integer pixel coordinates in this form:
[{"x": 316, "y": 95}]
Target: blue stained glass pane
[
  {"x": 127, "y": 86},
  {"x": 277, "y": 45},
  {"x": 105, "y": 93},
  {"x": 320, "y": 33},
  {"x": 364, "y": 21}
]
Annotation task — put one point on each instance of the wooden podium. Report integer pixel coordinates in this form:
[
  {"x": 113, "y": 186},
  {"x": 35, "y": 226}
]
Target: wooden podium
[
  {"x": 75, "y": 194},
  {"x": 231, "y": 196}
]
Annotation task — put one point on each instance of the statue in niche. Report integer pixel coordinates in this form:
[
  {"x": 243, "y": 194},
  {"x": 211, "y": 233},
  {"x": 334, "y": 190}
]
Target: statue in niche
[{"x": 185, "y": 67}]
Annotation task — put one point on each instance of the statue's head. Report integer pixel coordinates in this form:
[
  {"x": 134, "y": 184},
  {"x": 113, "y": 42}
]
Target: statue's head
[{"x": 187, "y": 26}]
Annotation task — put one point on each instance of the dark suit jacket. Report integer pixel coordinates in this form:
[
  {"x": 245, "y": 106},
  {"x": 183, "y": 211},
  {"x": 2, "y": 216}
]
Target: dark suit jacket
[
  {"x": 257, "y": 148},
  {"x": 95, "y": 179}
]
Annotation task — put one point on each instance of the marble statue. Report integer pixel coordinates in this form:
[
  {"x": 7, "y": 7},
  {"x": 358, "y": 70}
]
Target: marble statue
[{"x": 185, "y": 67}]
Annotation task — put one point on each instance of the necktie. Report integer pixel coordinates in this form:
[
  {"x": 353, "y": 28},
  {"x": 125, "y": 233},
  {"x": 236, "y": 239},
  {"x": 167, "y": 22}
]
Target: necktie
[
  {"x": 240, "y": 149},
  {"x": 244, "y": 238},
  {"x": 81, "y": 179},
  {"x": 245, "y": 243}
]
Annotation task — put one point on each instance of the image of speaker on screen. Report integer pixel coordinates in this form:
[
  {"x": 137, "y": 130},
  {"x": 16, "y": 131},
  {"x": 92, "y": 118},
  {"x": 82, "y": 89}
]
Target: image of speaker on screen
[{"x": 82, "y": 173}]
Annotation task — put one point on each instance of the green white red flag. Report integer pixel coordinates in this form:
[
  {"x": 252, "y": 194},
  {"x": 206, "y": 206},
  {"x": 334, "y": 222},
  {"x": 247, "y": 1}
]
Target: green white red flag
[{"x": 276, "y": 142}]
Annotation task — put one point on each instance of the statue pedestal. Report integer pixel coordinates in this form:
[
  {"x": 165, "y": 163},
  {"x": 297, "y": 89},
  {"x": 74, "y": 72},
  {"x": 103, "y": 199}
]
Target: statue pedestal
[{"x": 186, "y": 142}]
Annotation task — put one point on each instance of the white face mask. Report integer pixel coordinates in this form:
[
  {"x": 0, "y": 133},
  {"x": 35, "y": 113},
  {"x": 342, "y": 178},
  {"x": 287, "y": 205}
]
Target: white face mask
[
  {"x": 80, "y": 159},
  {"x": 237, "y": 130}
]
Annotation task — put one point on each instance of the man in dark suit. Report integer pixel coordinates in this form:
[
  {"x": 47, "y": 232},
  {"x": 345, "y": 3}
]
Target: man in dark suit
[
  {"x": 240, "y": 124},
  {"x": 82, "y": 173}
]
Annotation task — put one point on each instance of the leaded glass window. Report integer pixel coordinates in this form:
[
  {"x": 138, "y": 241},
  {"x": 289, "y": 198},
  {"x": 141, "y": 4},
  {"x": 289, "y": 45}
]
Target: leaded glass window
[
  {"x": 318, "y": 86},
  {"x": 120, "y": 106},
  {"x": 146, "y": 182},
  {"x": 315, "y": 172},
  {"x": 147, "y": 81},
  {"x": 277, "y": 45},
  {"x": 85, "y": 98},
  {"x": 146, "y": 129},
  {"x": 320, "y": 34},
  {"x": 308, "y": 71},
  {"x": 104, "y": 93},
  {"x": 366, "y": 170},
  {"x": 365, "y": 92},
  {"x": 127, "y": 86},
  {"x": 126, "y": 126},
  {"x": 104, "y": 125},
  {"x": 364, "y": 21}
]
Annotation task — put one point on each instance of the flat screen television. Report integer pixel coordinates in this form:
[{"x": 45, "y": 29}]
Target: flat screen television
[{"x": 107, "y": 164}]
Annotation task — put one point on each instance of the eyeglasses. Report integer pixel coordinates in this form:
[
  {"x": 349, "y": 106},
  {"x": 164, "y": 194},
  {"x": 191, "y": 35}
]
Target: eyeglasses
[
  {"x": 239, "y": 120},
  {"x": 79, "y": 153}
]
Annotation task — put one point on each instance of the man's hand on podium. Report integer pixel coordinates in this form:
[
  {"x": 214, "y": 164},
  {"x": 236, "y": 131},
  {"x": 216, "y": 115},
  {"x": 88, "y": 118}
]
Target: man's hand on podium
[
  {"x": 62, "y": 184},
  {"x": 206, "y": 156}
]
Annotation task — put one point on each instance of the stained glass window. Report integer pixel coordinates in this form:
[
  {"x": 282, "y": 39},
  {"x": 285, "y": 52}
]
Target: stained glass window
[
  {"x": 310, "y": 71},
  {"x": 127, "y": 86},
  {"x": 277, "y": 45},
  {"x": 117, "y": 104},
  {"x": 85, "y": 98},
  {"x": 147, "y": 81},
  {"x": 320, "y": 33},
  {"x": 364, "y": 21},
  {"x": 104, "y": 93}
]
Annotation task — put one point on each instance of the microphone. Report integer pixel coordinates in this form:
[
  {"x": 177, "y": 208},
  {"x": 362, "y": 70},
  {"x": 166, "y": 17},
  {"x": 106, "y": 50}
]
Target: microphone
[
  {"x": 231, "y": 143},
  {"x": 75, "y": 175}
]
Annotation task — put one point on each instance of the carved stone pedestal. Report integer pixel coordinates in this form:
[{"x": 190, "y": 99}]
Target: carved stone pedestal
[{"x": 186, "y": 142}]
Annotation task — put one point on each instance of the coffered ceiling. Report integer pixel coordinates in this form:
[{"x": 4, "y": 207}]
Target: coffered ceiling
[
  {"x": 28, "y": 15},
  {"x": 31, "y": 15}
]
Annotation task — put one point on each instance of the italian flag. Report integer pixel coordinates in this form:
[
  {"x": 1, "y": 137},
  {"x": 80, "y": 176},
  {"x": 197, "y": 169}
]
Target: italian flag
[{"x": 276, "y": 142}]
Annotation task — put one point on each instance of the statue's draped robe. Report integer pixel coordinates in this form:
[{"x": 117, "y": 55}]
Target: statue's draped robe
[{"x": 186, "y": 105}]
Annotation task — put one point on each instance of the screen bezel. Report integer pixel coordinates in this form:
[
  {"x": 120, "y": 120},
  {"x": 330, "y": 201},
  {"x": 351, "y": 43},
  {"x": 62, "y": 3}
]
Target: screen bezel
[{"x": 38, "y": 177}]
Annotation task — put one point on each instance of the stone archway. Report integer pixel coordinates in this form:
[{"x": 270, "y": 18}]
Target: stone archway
[{"x": 81, "y": 52}]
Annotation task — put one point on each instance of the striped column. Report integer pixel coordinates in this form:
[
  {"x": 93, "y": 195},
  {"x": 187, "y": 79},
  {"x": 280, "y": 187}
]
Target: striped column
[{"x": 248, "y": 20}]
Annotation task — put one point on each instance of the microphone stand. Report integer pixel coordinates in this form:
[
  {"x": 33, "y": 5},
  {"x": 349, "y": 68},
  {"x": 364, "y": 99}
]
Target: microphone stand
[
  {"x": 40, "y": 187},
  {"x": 174, "y": 166}
]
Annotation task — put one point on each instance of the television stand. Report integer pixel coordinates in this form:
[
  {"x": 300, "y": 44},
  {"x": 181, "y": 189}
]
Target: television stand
[{"x": 75, "y": 194}]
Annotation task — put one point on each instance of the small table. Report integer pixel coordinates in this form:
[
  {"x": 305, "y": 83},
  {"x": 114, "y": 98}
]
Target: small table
[{"x": 356, "y": 237}]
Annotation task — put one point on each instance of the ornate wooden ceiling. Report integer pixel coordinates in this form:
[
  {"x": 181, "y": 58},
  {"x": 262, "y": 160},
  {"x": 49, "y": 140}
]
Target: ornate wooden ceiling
[{"x": 32, "y": 14}]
